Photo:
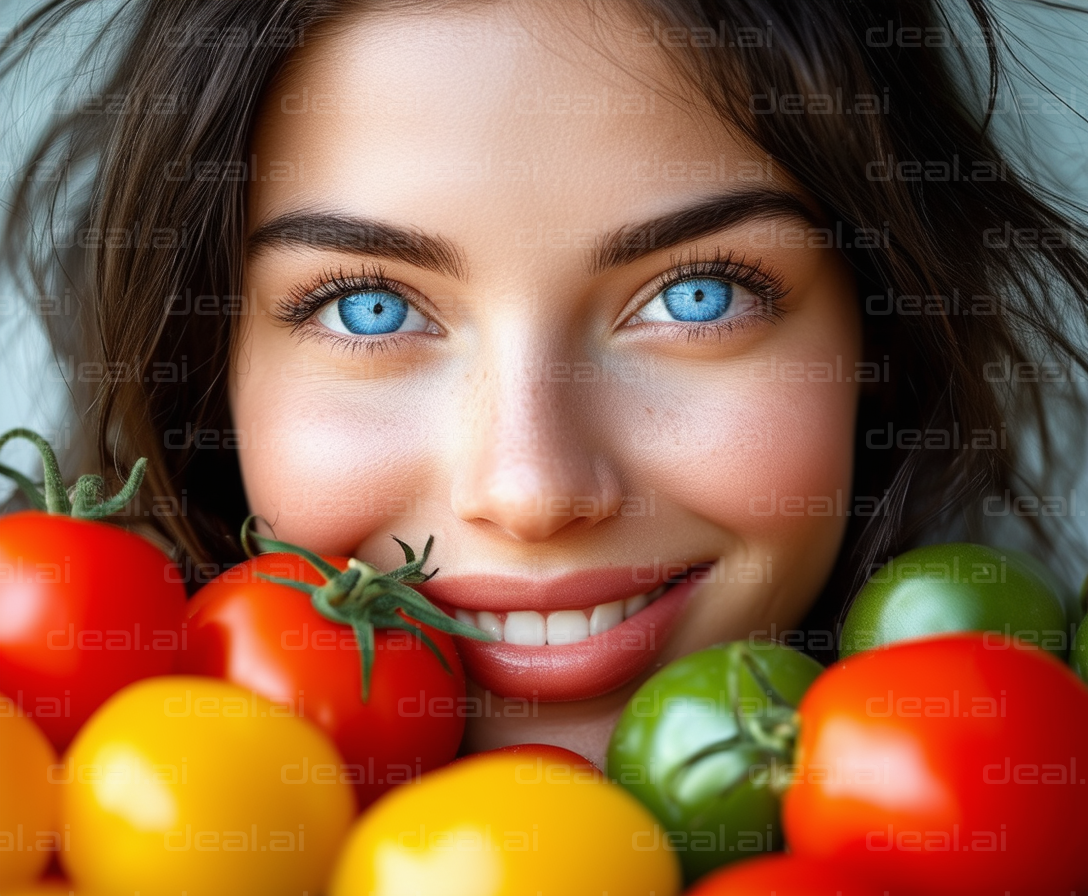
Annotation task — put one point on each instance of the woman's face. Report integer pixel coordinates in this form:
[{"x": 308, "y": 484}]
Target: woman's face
[{"x": 568, "y": 323}]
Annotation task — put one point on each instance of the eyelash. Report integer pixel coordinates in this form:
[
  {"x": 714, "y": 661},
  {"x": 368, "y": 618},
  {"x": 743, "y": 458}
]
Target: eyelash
[
  {"x": 302, "y": 302},
  {"x": 765, "y": 284}
]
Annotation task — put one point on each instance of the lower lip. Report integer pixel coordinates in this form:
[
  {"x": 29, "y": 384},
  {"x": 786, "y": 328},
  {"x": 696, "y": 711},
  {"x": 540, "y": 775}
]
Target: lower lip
[{"x": 590, "y": 668}]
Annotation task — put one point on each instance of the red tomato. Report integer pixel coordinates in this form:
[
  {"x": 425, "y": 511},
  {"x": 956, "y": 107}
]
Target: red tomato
[
  {"x": 951, "y": 765},
  {"x": 788, "y": 875},
  {"x": 85, "y": 609},
  {"x": 546, "y": 762},
  {"x": 267, "y": 637},
  {"x": 549, "y": 753}
]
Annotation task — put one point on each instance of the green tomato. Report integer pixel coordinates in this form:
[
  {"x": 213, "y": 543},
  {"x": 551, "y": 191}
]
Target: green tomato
[
  {"x": 1078, "y": 656},
  {"x": 703, "y": 744},
  {"x": 958, "y": 587},
  {"x": 1069, "y": 598}
]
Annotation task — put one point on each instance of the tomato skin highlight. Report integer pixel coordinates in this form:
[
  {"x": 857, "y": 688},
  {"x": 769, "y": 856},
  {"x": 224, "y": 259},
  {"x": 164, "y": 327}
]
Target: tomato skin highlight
[
  {"x": 89, "y": 608},
  {"x": 951, "y": 765},
  {"x": 958, "y": 587},
  {"x": 502, "y": 824},
  {"x": 267, "y": 637},
  {"x": 188, "y": 784}
]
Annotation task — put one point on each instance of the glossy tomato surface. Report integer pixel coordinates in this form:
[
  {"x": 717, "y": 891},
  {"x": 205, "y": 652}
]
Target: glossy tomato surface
[
  {"x": 267, "y": 637},
  {"x": 85, "y": 609},
  {"x": 502, "y": 824},
  {"x": 29, "y": 833},
  {"x": 182, "y": 784},
  {"x": 949, "y": 765},
  {"x": 958, "y": 587}
]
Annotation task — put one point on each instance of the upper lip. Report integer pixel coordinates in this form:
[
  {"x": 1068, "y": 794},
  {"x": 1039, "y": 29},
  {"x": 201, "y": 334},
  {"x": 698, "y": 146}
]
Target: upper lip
[{"x": 574, "y": 590}]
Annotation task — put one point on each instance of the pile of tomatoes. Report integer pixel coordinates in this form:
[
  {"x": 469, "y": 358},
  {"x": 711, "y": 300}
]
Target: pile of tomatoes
[
  {"x": 294, "y": 728},
  {"x": 235, "y": 742}
]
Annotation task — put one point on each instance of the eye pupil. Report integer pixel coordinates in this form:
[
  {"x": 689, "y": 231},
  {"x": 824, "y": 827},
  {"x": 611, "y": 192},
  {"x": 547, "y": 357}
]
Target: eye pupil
[
  {"x": 698, "y": 295},
  {"x": 377, "y": 307}
]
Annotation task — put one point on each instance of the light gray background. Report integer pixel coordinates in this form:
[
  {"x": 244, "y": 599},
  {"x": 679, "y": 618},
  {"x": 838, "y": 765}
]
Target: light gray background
[{"x": 1050, "y": 138}]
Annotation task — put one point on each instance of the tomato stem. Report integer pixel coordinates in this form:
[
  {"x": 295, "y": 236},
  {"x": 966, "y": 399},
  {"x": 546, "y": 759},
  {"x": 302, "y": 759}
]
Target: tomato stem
[
  {"x": 84, "y": 504},
  {"x": 28, "y": 487},
  {"x": 365, "y": 598},
  {"x": 774, "y": 728},
  {"x": 55, "y": 498}
]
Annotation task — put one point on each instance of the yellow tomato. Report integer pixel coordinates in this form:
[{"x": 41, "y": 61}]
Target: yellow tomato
[
  {"x": 192, "y": 785},
  {"x": 28, "y": 802},
  {"x": 499, "y": 825}
]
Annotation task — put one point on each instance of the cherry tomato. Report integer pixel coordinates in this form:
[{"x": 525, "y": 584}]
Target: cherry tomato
[
  {"x": 268, "y": 637},
  {"x": 787, "y": 875},
  {"x": 696, "y": 745},
  {"x": 500, "y": 824},
  {"x": 29, "y": 835},
  {"x": 190, "y": 785},
  {"x": 957, "y": 587},
  {"x": 541, "y": 753},
  {"x": 85, "y": 609},
  {"x": 954, "y": 764}
]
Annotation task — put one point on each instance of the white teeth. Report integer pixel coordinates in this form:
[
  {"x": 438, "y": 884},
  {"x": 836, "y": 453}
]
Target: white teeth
[
  {"x": 567, "y": 627},
  {"x": 529, "y": 628},
  {"x": 489, "y": 623},
  {"x": 606, "y": 616},
  {"x": 525, "y": 627},
  {"x": 633, "y": 604}
]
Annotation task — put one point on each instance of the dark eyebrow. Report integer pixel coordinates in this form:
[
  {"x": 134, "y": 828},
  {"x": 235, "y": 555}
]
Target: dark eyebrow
[
  {"x": 702, "y": 219},
  {"x": 340, "y": 232},
  {"x": 330, "y": 230}
]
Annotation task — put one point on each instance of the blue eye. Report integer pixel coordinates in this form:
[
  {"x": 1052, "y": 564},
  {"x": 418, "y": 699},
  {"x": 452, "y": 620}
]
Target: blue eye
[
  {"x": 697, "y": 300},
  {"x": 370, "y": 313}
]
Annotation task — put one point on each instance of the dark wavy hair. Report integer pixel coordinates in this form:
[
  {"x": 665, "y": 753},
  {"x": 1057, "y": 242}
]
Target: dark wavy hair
[{"x": 979, "y": 263}]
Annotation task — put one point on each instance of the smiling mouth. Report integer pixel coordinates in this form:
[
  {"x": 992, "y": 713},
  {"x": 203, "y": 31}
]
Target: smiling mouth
[
  {"x": 570, "y": 652},
  {"x": 531, "y": 628},
  {"x": 528, "y": 628}
]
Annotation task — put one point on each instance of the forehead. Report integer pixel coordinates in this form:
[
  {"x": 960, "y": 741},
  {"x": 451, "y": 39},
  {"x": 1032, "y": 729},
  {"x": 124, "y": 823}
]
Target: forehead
[{"x": 513, "y": 115}]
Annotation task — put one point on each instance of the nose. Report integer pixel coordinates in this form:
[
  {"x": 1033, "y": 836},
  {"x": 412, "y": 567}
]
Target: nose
[{"x": 526, "y": 461}]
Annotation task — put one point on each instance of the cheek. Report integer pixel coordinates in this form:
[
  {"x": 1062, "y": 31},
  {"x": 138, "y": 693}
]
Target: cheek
[
  {"x": 769, "y": 463},
  {"x": 322, "y": 459}
]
